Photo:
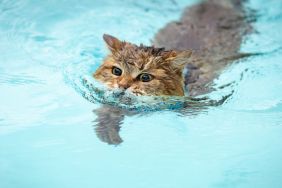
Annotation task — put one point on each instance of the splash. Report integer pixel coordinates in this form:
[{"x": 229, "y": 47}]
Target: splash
[{"x": 95, "y": 92}]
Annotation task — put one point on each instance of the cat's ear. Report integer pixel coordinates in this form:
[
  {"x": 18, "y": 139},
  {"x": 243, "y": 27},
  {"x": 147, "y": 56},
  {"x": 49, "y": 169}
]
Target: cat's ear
[
  {"x": 184, "y": 54},
  {"x": 113, "y": 43},
  {"x": 177, "y": 59},
  {"x": 169, "y": 55},
  {"x": 182, "y": 58},
  {"x": 173, "y": 54}
]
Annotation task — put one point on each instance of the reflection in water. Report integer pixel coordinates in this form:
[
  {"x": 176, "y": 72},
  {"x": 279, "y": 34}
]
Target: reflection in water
[
  {"x": 110, "y": 118},
  {"x": 108, "y": 124},
  {"x": 108, "y": 121}
]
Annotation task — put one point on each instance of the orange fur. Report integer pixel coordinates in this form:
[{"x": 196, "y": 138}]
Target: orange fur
[{"x": 165, "y": 67}]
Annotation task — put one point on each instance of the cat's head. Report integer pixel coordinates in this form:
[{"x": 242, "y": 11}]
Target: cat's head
[{"x": 142, "y": 70}]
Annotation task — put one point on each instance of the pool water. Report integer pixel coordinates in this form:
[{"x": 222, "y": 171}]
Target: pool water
[{"x": 47, "y": 128}]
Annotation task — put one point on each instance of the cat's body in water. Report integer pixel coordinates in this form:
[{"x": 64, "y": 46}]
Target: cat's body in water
[
  {"x": 215, "y": 30},
  {"x": 212, "y": 30}
]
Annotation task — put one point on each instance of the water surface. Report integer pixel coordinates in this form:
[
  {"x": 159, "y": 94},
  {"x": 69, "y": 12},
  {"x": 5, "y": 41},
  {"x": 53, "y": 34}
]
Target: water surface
[{"x": 47, "y": 138}]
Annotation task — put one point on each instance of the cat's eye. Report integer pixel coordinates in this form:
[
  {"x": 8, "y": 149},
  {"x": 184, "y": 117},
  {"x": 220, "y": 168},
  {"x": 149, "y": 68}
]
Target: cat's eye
[
  {"x": 145, "y": 77},
  {"x": 116, "y": 71}
]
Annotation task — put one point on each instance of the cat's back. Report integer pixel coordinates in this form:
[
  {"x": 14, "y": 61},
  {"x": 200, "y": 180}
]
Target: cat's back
[
  {"x": 211, "y": 25},
  {"x": 215, "y": 29}
]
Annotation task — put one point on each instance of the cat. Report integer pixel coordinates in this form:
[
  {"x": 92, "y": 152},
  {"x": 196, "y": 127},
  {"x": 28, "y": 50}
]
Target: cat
[
  {"x": 206, "y": 40},
  {"x": 203, "y": 42},
  {"x": 143, "y": 70}
]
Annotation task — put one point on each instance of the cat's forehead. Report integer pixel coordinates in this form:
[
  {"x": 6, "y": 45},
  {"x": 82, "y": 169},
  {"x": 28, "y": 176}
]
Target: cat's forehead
[{"x": 139, "y": 56}]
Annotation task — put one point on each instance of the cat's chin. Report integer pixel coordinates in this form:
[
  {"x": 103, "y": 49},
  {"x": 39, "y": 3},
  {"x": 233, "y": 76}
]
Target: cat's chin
[
  {"x": 121, "y": 96},
  {"x": 95, "y": 91},
  {"x": 128, "y": 92}
]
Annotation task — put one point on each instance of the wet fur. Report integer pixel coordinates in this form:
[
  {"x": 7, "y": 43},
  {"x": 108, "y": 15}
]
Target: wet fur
[
  {"x": 166, "y": 67},
  {"x": 213, "y": 29}
]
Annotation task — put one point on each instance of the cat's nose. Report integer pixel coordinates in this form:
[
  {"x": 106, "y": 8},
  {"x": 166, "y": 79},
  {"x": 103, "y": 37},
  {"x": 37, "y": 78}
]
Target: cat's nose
[{"x": 124, "y": 84}]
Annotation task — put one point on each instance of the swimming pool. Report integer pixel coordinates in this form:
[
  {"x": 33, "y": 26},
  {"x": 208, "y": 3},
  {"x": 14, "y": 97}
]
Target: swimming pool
[{"x": 47, "y": 138}]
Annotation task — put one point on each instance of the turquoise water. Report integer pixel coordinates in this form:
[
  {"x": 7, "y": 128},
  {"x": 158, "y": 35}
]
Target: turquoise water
[{"x": 47, "y": 136}]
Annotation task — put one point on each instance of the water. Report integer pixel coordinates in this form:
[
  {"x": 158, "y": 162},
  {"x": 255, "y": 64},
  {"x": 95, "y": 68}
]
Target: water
[{"x": 47, "y": 138}]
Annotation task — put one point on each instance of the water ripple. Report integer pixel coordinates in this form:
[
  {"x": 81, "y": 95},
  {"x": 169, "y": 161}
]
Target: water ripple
[{"x": 14, "y": 79}]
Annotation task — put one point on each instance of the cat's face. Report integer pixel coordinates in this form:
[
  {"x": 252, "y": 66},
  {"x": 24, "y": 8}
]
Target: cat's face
[{"x": 142, "y": 70}]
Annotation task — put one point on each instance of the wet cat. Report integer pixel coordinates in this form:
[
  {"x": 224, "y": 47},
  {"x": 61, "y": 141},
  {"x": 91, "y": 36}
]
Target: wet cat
[
  {"x": 143, "y": 70},
  {"x": 212, "y": 30}
]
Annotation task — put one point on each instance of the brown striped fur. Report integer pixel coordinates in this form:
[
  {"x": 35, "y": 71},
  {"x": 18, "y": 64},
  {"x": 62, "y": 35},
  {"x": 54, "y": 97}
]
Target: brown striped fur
[{"x": 166, "y": 67}]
